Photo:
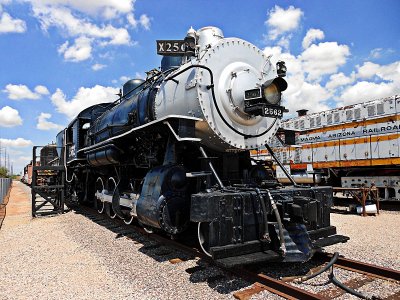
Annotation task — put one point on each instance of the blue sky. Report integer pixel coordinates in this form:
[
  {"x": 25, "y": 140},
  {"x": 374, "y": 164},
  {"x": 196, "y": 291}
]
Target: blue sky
[{"x": 60, "y": 56}]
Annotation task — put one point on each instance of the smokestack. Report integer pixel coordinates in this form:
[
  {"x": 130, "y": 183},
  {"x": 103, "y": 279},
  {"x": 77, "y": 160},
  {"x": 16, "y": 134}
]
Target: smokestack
[{"x": 302, "y": 112}]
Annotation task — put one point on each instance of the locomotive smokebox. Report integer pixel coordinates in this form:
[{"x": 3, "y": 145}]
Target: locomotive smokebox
[{"x": 213, "y": 88}]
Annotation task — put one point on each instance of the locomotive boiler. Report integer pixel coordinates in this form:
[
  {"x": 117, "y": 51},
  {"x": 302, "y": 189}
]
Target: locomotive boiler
[{"x": 172, "y": 153}]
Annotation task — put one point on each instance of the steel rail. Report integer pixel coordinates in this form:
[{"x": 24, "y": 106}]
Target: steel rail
[
  {"x": 361, "y": 267},
  {"x": 276, "y": 286}
]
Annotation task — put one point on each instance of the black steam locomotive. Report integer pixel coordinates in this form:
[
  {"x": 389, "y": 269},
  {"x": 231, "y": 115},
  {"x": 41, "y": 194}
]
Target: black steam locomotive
[{"x": 173, "y": 153}]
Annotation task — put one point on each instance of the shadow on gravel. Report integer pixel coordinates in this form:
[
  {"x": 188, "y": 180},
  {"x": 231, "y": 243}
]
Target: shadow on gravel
[
  {"x": 151, "y": 248},
  {"x": 218, "y": 280}
]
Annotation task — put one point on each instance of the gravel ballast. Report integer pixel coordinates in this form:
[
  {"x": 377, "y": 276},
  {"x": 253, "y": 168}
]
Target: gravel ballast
[{"x": 73, "y": 257}]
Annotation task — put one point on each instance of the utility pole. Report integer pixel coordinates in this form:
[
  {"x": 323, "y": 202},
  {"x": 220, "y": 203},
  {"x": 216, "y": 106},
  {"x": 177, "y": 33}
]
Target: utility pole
[{"x": 5, "y": 157}]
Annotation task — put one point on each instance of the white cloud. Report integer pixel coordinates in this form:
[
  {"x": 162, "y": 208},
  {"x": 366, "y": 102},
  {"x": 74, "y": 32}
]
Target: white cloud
[
  {"x": 8, "y": 24},
  {"x": 365, "y": 91},
  {"x": 324, "y": 58},
  {"x": 97, "y": 67},
  {"x": 281, "y": 21},
  {"x": 376, "y": 53},
  {"x": 389, "y": 85},
  {"x": 311, "y": 36},
  {"x": 367, "y": 70},
  {"x": 339, "y": 79},
  {"x": 380, "y": 52},
  {"x": 389, "y": 72},
  {"x": 20, "y": 91},
  {"x": 62, "y": 18},
  {"x": 42, "y": 90},
  {"x": 81, "y": 50},
  {"x": 9, "y": 117},
  {"x": 284, "y": 42},
  {"x": 104, "y": 22},
  {"x": 145, "y": 22},
  {"x": 44, "y": 124},
  {"x": 105, "y": 8},
  {"x": 84, "y": 98},
  {"x": 17, "y": 143},
  {"x": 311, "y": 96}
]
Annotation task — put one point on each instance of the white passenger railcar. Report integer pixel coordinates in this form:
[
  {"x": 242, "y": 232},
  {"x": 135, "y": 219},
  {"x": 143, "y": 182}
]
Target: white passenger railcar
[{"x": 349, "y": 146}]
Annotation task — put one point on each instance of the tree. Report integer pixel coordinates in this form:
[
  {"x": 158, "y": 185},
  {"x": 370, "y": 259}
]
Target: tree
[{"x": 3, "y": 172}]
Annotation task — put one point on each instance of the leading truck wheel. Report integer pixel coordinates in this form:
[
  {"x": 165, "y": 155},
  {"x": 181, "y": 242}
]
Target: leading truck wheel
[
  {"x": 111, "y": 187},
  {"x": 99, "y": 190},
  {"x": 202, "y": 235}
]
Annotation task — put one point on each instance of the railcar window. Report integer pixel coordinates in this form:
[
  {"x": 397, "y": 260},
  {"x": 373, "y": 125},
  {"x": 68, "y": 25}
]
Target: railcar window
[
  {"x": 284, "y": 158},
  {"x": 297, "y": 155},
  {"x": 312, "y": 122},
  {"x": 336, "y": 117},
  {"x": 380, "y": 109},
  {"x": 318, "y": 121},
  {"x": 296, "y": 124},
  {"x": 349, "y": 115},
  {"x": 301, "y": 124},
  {"x": 357, "y": 113},
  {"x": 371, "y": 110},
  {"x": 329, "y": 119}
]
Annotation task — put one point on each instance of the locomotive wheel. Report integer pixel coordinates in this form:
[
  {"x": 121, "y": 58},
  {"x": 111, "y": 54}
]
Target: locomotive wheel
[
  {"x": 99, "y": 188},
  {"x": 111, "y": 187},
  {"x": 202, "y": 235},
  {"x": 128, "y": 220}
]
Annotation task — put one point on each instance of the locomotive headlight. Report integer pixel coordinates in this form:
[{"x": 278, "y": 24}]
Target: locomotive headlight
[
  {"x": 272, "y": 90},
  {"x": 272, "y": 94},
  {"x": 265, "y": 100}
]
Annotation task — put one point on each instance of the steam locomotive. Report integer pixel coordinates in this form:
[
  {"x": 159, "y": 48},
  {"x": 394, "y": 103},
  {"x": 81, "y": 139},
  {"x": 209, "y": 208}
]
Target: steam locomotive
[{"x": 172, "y": 153}]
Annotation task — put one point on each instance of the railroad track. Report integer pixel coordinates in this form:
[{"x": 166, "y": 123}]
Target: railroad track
[{"x": 287, "y": 287}]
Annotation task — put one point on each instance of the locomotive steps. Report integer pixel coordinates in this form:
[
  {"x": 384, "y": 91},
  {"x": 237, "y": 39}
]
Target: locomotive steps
[{"x": 79, "y": 256}]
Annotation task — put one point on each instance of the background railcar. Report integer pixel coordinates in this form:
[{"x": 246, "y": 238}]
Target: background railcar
[{"x": 349, "y": 146}]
